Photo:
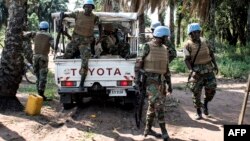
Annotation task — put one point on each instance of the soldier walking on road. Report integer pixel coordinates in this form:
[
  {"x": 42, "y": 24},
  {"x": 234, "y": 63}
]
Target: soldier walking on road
[
  {"x": 200, "y": 60},
  {"x": 43, "y": 41},
  {"x": 155, "y": 63},
  {"x": 83, "y": 36},
  {"x": 172, "y": 54}
]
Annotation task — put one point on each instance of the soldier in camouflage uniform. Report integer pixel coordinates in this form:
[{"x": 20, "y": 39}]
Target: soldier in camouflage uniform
[
  {"x": 114, "y": 44},
  {"x": 124, "y": 49},
  {"x": 82, "y": 37},
  {"x": 155, "y": 63},
  {"x": 172, "y": 55},
  {"x": 43, "y": 41},
  {"x": 203, "y": 68},
  {"x": 108, "y": 40}
]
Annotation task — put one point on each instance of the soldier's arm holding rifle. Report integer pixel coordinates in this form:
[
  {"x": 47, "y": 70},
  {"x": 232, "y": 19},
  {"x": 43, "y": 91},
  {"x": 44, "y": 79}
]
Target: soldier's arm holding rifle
[
  {"x": 188, "y": 62},
  {"x": 189, "y": 65}
]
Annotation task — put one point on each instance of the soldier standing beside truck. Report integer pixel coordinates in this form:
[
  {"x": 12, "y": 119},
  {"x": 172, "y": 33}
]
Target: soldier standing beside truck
[
  {"x": 155, "y": 64},
  {"x": 42, "y": 40},
  {"x": 83, "y": 36},
  {"x": 172, "y": 55},
  {"x": 200, "y": 60}
]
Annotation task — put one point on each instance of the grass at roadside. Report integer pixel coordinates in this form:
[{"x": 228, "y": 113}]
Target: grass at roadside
[{"x": 51, "y": 88}]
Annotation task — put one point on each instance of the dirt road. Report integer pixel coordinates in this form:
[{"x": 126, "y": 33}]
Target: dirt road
[{"x": 107, "y": 121}]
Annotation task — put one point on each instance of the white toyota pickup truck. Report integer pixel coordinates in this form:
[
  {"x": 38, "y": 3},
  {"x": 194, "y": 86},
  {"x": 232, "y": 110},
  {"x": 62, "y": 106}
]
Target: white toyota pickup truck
[{"x": 109, "y": 76}]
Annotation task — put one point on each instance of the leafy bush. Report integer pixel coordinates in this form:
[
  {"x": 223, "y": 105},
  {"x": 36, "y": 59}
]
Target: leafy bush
[
  {"x": 178, "y": 65},
  {"x": 234, "y": 67},
  {"x": 33, "y": 22},
  {"x": 233, "y": 61}
]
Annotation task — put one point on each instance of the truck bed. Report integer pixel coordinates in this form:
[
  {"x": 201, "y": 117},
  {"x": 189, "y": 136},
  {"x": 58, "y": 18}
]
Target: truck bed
[{"x": 106, "y": 71}]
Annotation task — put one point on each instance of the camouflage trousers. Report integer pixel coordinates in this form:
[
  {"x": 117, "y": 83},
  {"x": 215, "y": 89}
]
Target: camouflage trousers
[
  {"x": 156, "y": 100},
  {"x": 40, "y": 65},
  {"x": 80, "y": 45},
  {"x": 200, "y": 81}
]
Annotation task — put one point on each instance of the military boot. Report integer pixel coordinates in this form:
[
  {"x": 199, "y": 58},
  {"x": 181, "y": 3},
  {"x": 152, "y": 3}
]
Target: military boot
[
  {"x": 81, "y": 86},
  {"x": 205, "y": 109},
  {"x": 149, "y": 131},
  {"x": 199, "y": 114},
  {"x": 164, "y": 132},
  {"x": 41, "y": 93}
]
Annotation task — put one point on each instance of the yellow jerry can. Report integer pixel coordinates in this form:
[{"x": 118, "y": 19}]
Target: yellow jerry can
[{"x": 34, "y": 105}]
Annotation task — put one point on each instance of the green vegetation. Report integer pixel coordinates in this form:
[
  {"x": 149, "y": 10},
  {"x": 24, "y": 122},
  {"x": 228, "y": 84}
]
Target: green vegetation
[
  {"x": 178, "y": 65},
  {"x": 2, "y": 36},
  {"x": 234, "y": 61},
  {"x": 33, "y": 22},
  {"x": 50, "y": 87}
]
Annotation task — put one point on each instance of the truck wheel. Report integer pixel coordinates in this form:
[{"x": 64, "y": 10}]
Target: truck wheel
[
  {"x": 128, "y": 102},
  {"x": 67, "y": 106},
  {"x": 79, "y": 101}
]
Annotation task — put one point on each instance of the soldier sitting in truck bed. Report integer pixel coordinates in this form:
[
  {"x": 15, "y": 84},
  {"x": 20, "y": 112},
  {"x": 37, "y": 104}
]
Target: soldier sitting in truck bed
[{"x": 108, "y": 40}]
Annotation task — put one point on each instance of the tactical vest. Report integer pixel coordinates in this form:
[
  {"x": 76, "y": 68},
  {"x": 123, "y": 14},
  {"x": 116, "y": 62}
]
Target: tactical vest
[
  {"x": 85, "y": 24},
  {"x": 42, "y": 45},
  {"x": 203, "y": 56},
  {"x": 157, "y": 59}
]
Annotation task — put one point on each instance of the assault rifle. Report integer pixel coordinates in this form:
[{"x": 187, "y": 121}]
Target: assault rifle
[
  {"x": 140, "y": 96},
  {"x": 61, "y": 31}
]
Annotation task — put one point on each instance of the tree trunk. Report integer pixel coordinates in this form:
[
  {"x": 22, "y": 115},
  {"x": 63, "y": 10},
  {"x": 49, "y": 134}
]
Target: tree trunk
[
  {"x": 178, "y": 40},
  {"x": 142, "y": 28},
  {"x": 12, "y": 64},
  {"x": 183, "y": 33},
  {"x": 248, "y": 22},
  {"x": 171, "y": 24},
  {"x": 111, "y": 6},
  {"x": 211, "y": 22},
  {"x": 161, "y": 15},
  {"x": 179, "y": 20}
]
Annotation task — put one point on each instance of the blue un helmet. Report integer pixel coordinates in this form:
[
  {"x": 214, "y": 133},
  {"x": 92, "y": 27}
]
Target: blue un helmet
[
  {"x": 91, "y": 2},
  {"x": 44, "y": 25},
  {"x": 193, "y": 27},
  {"x": 155, "y": 24},
  {"x": 161, "y": 31}
]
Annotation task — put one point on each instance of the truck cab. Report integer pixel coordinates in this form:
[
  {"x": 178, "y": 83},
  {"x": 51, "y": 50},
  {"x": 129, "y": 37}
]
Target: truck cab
[{"x": 109, "y": 75}]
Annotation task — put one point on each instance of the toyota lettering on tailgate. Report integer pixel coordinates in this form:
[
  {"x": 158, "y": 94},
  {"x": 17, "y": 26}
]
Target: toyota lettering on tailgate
[{"x": 98, "y": 71}]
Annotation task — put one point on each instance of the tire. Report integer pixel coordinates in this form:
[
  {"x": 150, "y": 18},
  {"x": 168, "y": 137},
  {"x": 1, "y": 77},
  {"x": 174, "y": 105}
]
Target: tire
[
  {"x": 67, "y": 106},
  {"x": 79, "y": 101},
  {"x": 128, "y": 103},
  {"x": 30, "y": 75}
]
